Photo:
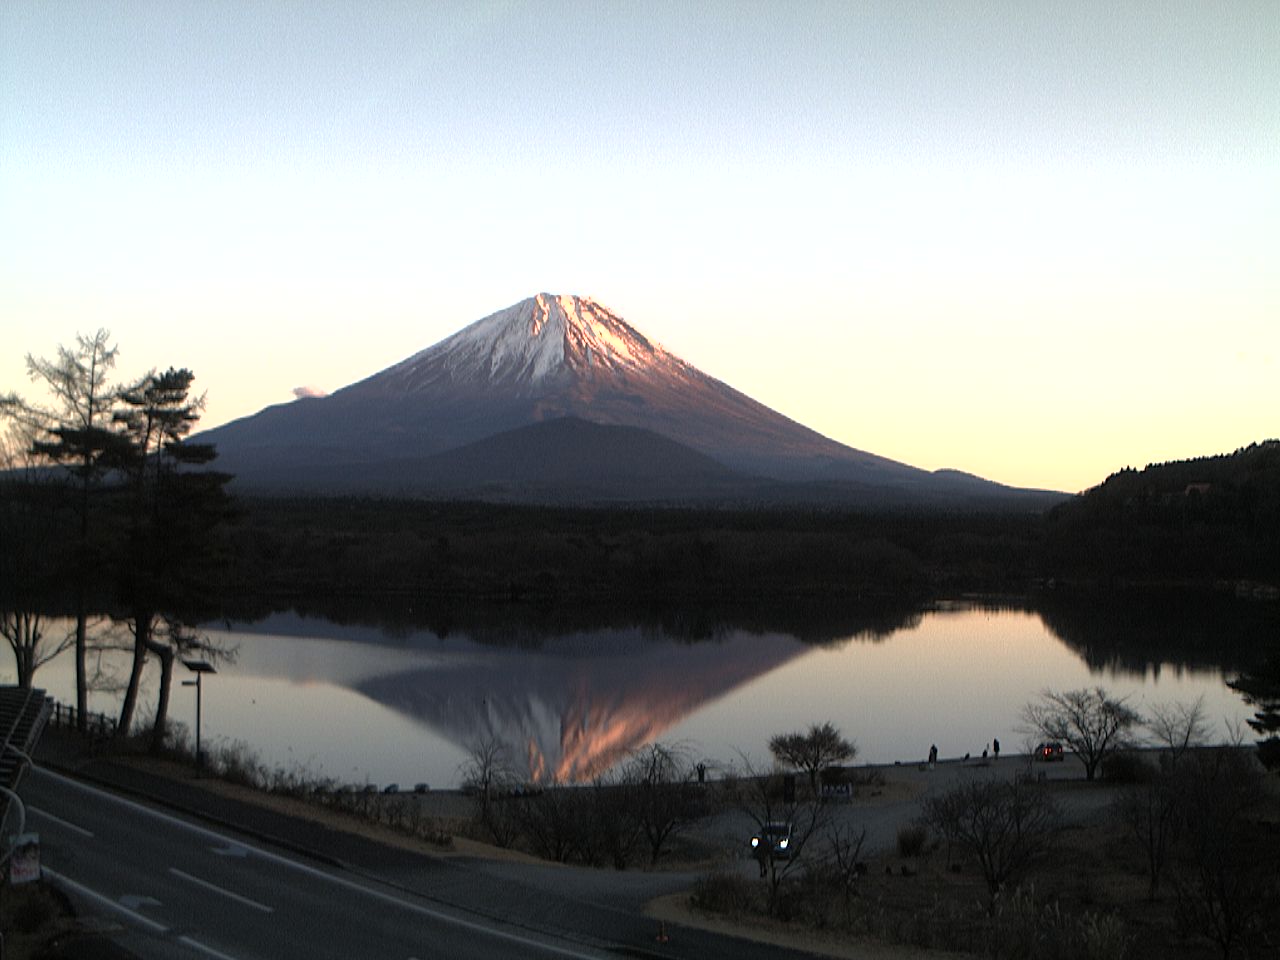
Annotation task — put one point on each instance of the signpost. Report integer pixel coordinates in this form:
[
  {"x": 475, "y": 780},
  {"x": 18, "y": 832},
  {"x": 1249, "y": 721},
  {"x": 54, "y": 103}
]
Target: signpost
[{"x": 24, "y": 862}]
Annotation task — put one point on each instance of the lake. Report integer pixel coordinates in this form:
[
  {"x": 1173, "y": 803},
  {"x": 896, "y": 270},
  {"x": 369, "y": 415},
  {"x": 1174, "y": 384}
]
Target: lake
[{"x": 400, "y": 704}]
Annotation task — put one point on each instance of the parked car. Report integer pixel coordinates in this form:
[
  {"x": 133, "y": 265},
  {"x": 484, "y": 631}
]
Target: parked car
[
  {"x": 774, "y": 838},
  {"x": 1048, "y": 752}
]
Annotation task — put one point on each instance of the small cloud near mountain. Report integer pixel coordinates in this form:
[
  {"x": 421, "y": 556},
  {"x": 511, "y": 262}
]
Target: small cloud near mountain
[{"x": 303, "y": 393}]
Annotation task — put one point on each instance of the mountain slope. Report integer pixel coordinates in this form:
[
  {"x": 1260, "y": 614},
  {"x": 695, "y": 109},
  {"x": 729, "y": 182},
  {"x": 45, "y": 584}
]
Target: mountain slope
[
  {"x": 560, "y": 461},
  {"x": 543, "y": 359}
]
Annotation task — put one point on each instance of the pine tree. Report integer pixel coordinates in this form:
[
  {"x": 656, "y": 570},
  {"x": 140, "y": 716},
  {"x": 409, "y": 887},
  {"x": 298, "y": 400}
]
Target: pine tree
[
  {"x": 172, "y": 513},
  {"x": 1261, "y": 689}
]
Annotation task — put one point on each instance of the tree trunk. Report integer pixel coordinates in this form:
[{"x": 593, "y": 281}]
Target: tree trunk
[
  {"x": 82, "y": 682},
  {"x": 22, "y": 663},
  {"x": 141, "y": 641},
  {"x": 25, "y": 650},
  {"x": 158, "y": 729},
  {"x": 82, "y": 596}
]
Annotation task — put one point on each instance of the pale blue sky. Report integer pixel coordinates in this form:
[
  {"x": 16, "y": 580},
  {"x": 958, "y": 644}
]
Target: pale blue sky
[{"x": 1037, "y": 242}]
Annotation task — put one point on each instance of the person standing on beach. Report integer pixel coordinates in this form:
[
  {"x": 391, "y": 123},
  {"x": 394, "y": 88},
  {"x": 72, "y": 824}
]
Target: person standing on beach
[{"x": 995, "y": 749}]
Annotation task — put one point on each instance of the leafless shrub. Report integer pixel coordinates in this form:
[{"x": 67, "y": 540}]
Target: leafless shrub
[
  {"x": 550, "y": 822},
  {"x": 728, "y": 894},
  {"x": 912, "y": 839},
  {"x": 1150, "y": 809},
  {"x": 845, "y": 845},
  {"x": 1226, "y": 863},
  {"x": 1178, "y": 727},
  {"x": 501, "y": 823},
  {"x": 608, "y": 822},
  {"x": 1006, "y": 826}
]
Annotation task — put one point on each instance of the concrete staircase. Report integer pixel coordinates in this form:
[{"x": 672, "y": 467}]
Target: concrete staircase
[{"x": 23, "y": 714}]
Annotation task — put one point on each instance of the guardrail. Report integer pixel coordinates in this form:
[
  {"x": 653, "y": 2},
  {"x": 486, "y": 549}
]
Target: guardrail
[{"x": 66, "y": 716}]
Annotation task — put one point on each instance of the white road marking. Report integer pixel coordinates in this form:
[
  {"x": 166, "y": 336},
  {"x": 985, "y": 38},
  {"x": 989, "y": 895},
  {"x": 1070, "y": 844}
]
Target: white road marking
[
  {"x": 205, "y": 949},
  {"x": 104, "y": 901},
  {"x": 222, "y": 890},
  {"x": 62, "y": 823},
  {"x": 331, "y": 878},
  {"x": 136, "y": 901}
]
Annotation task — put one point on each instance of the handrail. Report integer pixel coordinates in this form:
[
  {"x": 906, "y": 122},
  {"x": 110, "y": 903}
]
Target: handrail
[
  {"x": 22, "y": 819},
  {"x": 13, "y": 727},
  {"x": 7, "y": 789}
]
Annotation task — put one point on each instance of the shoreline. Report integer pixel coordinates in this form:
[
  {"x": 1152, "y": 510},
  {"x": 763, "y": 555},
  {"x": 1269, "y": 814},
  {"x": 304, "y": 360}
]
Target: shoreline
[{"x": 378, "y": 852}]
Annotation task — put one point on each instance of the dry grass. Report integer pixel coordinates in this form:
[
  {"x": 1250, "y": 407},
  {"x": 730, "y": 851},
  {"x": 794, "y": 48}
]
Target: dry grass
[{"x": 1087, "y": 901}]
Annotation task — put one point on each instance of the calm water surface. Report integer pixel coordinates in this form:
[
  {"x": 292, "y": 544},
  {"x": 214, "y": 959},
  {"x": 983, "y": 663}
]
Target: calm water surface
[{"x": 357, "y": 705}]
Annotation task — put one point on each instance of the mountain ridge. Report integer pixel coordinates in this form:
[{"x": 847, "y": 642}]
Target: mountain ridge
[{"x": 542, "y": 359}]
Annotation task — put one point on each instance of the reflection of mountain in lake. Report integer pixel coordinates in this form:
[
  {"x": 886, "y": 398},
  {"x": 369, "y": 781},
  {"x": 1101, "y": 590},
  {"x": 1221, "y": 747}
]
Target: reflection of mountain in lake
[
  {"x": 415, "y": 621},
  {"x": 573, "y": 712},
  {"x": 568, "y": 694}
]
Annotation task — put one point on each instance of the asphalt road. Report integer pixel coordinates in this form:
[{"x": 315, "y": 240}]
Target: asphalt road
[
  {"x": 178, "y": 889},
  {"x": 183, "y": 890}
]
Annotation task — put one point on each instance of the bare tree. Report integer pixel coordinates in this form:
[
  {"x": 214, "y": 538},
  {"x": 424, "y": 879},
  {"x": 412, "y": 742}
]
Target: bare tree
[
  {"x": 1152, "y": 812},
  {"x": 79, "y": 436},
  {"x": 488, "y": 770},
  {"x": 24, "y": 629},
  {"x": 813, "y": 751},
  {"x": 1226, "y": 861},
  {"x": 1090, "y": 722},
  {"x": 1178, "y": 727},
  {"x": 659, "y": 783},
  {"x": 1007, "y": 826},
  {"x": 1152, "y": 808},
  {"x": 490, "y": 775},
  {"x": 763, "y": 798},
  {"x": 32, "y": 567},
  {"x": 17, "y": 442}
]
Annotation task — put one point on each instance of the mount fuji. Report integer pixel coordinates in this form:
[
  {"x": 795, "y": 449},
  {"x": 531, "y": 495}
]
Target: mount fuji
[{"x": 556, "y": 398}]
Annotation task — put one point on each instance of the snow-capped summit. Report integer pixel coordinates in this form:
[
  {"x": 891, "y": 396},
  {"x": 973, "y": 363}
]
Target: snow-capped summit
[
  {"x": 561, "y": 393},
  {"x": 567, "y": 356},
  {"x": 537, "y": 343}
]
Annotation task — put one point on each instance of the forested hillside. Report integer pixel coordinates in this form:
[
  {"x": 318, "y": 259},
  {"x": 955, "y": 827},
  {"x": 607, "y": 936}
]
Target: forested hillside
[
  {"x": 1209, "y": 518},
  {"x": 359, "y": 546},
  {"x": 1201, "y": 522}
]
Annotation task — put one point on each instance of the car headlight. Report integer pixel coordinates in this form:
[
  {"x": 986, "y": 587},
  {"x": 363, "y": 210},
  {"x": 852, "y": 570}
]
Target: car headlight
[
  {"x": 783, "y": 843},
  {"x": 755, "y": 841}
]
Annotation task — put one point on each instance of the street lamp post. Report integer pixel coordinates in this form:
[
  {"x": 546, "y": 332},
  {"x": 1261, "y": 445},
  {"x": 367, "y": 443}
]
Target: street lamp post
[{"x": 199, "y": 668}]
